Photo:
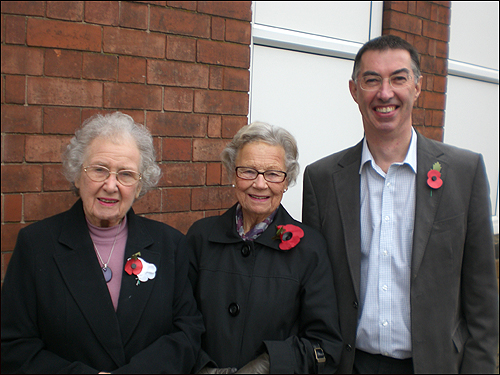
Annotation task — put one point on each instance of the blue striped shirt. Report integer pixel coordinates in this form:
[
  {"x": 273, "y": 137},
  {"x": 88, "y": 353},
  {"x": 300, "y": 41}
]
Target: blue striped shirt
[{"x": 387, "y": 218}]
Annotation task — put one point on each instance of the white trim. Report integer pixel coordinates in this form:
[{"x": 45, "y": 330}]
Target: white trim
[
  {"x": 461, "y": 69},
  {"x": 302, "y": 42},
  {"x": 377, "y": 10}
]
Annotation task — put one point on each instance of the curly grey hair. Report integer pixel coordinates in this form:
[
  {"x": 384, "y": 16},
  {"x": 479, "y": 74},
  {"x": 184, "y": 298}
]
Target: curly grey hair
[
  {"x": 270, "y": 134},
  {"x": 111, "y": 126}
]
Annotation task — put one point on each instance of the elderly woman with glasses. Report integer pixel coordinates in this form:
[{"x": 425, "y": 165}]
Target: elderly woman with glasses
[
  {"x": 263, "y": 280},
  {"x": 98, "y": 288}
]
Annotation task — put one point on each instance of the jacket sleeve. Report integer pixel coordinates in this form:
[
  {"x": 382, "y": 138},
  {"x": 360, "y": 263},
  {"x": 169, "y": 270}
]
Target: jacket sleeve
[
  {"x": 478, "y": 274},
  {"x": 310, "y": 209},
  {"x": 177, "y": 351},
  {"x": 23, "y": 349},
  {"x": 318, "y": 321}
]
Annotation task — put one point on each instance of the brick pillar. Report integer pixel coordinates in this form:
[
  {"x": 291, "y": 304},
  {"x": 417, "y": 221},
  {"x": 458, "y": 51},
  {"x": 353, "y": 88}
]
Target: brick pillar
[{"x": 425, "y": 25}]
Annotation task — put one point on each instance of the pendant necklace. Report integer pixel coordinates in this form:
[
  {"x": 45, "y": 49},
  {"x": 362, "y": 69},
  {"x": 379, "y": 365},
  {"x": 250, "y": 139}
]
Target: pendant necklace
[{"x": 105, "y": 269}]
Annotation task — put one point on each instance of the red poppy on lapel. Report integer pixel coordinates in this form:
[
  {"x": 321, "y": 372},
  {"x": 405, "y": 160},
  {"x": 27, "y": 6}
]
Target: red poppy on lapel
[
  {"x": 289, "y": 235},
  {"x": 434, "y": 176}
]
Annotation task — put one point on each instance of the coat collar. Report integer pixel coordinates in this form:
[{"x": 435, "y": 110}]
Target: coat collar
[
  {"x": 428, "y": 153},
  {"x": 81, "y": 272},
  {"x": 224, "y": 231}
]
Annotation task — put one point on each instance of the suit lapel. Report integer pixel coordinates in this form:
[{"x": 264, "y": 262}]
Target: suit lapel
[
  {"x": 134, "y": 297},
  {"x": 426, "y": 205},
  {"x": 347, "y": 185},
  {"x": 82, "y": 274}
]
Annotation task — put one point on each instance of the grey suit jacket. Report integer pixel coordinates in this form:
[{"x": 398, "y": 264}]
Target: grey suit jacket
[{"x": 454, "y": 298}]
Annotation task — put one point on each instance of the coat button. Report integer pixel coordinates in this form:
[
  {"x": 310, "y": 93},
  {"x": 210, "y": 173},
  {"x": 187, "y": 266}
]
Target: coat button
[
  {"x": 348, "y": 347},
  {"x": 234, "y": 309},
  {"x": 355, "y": 304},
  {"x": 245, "y": 250}
]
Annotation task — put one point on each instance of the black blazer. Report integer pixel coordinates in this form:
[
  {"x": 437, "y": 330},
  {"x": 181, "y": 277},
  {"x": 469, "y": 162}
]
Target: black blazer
[
  {"x": 256, "y": 297},
  {"x": 454, "y": 297},
  {"x": 57, "y": 314}
]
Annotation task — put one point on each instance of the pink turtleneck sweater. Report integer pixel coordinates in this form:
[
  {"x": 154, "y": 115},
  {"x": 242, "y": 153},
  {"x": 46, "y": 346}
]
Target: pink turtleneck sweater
[{"x": 103, "y": 239}]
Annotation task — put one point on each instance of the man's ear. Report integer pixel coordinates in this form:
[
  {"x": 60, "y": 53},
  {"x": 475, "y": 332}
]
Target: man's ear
[{"x": 353, "y": 88}]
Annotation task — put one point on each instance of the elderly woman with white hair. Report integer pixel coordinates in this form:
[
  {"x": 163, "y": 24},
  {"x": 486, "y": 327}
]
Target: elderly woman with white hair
[
  {"x": 98, "y": 288},
  {"x": 263, "y": 280}
]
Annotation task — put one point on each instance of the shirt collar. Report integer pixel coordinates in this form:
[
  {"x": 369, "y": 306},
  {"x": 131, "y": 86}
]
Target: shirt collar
[{"x": 410, "y": 159}]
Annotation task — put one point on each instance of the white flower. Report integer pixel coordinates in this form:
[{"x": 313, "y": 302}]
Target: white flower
[{"x": 148, "y": 271}]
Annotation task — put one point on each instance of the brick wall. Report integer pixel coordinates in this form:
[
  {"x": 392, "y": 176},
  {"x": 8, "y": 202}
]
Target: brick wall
[
  {"x": 179, "y": 67},
  {"x": 425, "y": 24}
]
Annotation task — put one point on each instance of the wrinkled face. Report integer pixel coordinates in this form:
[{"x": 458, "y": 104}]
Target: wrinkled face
[
  {"x": 106, "y": 203},
  {"x": 386, "y": 110},
  {"x": 259, "y": 198}
]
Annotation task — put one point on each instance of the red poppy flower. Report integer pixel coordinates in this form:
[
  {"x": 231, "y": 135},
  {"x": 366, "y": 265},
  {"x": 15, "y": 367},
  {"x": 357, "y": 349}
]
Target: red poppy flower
[
  {"x": 434, "y": 179},
  {"x": 133, "y": 266},
  {"x": 289, "y": 235}
]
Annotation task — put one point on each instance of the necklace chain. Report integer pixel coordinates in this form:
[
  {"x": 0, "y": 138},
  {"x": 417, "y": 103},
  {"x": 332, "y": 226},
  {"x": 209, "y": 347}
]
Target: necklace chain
[{"x": 105, "y": 265}]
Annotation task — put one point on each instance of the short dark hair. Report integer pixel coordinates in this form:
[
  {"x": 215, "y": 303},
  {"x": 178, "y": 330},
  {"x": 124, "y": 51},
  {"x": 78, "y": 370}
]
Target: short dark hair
[{"x": 385, "y": 42}]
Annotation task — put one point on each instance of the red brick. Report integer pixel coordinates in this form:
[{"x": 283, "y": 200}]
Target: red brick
[
  {"x": 238, "y": 31},
  {"x": 22, "y": 60},
  {"x": 400, "y": 6},
  {"x": 63, "y": 63},
  {"x": 432, "y": 132},
  {"x": 65, "y": 10},
  {"x": 208, "y": 149},
  {"x": 212, "y": 198},
  {"x": 151, "y": 202},
  {"x": 45, "y": 148},
  {"x": 434, "y": 100},
  {"x": 9, "y": 236},
  {"x": 218, "y": 30},
  {"x": 177, "y": 124},
  {"x": 221, "y": 102},
  {"x": 102, "y": 12},
  {"x": 435, "y": 30},
  {"x": 53, "y": 178},
  {"x": 190, "y": 5},
  {"x": 21, "y": 119},
  {"x": 181, "y": 22},
  {"x": 12, "y": 148},
  {"x": 231, "y": 125},
  {"x": 58, "y": 91},
  {"x": 428, "y": 117},
  {"x": 15, "y": 89},
  {"x": 214, "y": 126},
  {"x": 61, "y": 34},
  {"x": 131, "y": 69},
  {"x": 13, "y": 207},
  {"x": 174, "y": 200},
  {"x": 100, "y": 66},
  {"x": 15, "y": 30},
  {"x": 424, "y": 9},
  {"x": 181, "y": 48},
  {"x": 27, "y": 8},
  {"x": 181, "y": 221},
  {"x": 183, "y": 174},
  {"x": 440, "y": 83},
  {"x": 440, "y": 14},
  {"x": 130, "y": 95},
  {"x": 134, "y": 15},
  {"x": 227, "y": 54},
  {"x": 61, "y": 120},
  {"x": 236, "y": 79},
  {"x": 433, "y": 65},
  {"x": 176, "y": 149},
  {"x": 173, "y": 73},
  {"x": 178, "y": 99},
  {"x": 40, "y": 206},
  {"x": 134, "y": 42},
  {"x": 441, "y": 49},
  {"x": 20, "y": 178},
  {"x": 402, "y": 22},
  {"x": 418, "y": 116},
  {"x": 232, "y": 9},
  {"x": 137, "y": 115},
  {"x": 216, "y": 78},
  {"x": 213, "y": 173}
]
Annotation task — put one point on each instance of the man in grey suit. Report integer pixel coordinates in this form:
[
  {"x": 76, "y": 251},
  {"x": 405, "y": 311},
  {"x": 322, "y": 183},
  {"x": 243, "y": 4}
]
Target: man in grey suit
[{"x": 409, "y": 233}]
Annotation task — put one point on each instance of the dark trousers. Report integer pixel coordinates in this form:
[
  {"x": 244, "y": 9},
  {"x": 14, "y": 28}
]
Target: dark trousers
[{"x": 366, "y": 363}]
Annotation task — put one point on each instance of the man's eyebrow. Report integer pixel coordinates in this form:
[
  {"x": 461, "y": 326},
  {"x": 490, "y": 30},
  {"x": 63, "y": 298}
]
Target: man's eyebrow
[{"x": 373, "y": 73}]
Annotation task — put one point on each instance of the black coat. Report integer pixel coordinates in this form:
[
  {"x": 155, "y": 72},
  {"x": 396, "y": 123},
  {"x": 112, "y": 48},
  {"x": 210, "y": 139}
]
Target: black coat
[
  {"x": 255, "y": 297},
  {"x": 57, "y": 313}
]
